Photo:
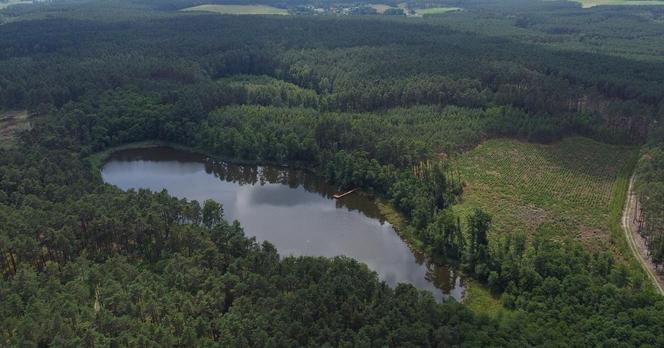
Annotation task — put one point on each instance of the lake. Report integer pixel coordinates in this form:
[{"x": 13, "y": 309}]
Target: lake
[{"x": 293, "y": 209}]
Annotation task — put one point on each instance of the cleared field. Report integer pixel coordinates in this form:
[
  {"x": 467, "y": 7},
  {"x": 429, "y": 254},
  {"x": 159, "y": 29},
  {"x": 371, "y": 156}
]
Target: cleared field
[
  {"x": 380, "y": 8},
  {"x": 593, "y": 3},
  {"x": 436, "y": 10},
  {"x": 562, "y": 190},
  {"x": 10, "y": 123},
  {"x": 239, "y": 9}
]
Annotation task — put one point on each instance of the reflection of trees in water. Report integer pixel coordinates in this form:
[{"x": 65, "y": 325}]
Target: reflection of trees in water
[
  {"x": 363, "y": 203},
  {"x": 255, "y": 175},
  {"x": 293, "y": 178},
  {"x": 443, "y": 277},
  {"x": 156, "y": 154}
]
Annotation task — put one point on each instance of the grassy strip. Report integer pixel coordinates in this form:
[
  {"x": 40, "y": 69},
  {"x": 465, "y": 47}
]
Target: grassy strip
[
  {"x": 399, "y": 223},
  {"x": 618, "y": 204}
]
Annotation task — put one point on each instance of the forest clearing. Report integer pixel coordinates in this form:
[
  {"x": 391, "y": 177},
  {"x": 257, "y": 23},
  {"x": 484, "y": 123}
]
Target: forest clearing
[
  {"x": 566, "y": 187},
  {"x": 12, "y": 122}
]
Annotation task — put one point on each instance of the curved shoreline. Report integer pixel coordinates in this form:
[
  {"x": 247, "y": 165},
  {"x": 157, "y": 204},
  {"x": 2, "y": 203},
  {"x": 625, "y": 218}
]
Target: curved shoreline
[{"x": 98, "y": 158}]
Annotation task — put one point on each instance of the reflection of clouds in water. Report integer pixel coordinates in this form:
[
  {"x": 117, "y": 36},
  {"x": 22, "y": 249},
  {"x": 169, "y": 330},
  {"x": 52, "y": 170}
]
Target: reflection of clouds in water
[
  {"x": 280, "y": 195},
  {"x": 297, "y": 221}
]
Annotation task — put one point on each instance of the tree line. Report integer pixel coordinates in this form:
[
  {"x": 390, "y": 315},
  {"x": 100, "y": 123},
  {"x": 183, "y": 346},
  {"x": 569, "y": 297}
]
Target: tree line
[{"x": 650, "y": 189}]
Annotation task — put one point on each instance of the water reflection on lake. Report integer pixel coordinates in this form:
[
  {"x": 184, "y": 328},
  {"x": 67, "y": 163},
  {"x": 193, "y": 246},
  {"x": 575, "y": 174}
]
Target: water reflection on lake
[{"x": 293, "y": 209}]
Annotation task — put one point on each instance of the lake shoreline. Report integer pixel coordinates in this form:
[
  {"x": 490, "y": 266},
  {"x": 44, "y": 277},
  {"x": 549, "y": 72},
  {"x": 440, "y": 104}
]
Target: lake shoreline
[{"x": 382, "y": 209}]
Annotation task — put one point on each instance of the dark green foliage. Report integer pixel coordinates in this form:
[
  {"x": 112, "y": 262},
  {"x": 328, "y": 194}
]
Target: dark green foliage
[
  {"x": 394, "y": 12},
  {"x": 357, "y": 65},
  {"x": 477, "y": 256},
  {"x": 445, "y": 237},
  {"x": 212, "y": 214},
  {"x": 575, "y": 298},
  {"x": 364, "y": 102}
]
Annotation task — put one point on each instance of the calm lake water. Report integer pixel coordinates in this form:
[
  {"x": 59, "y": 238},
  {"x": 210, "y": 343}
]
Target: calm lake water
[{"x": 293, "y": 209}]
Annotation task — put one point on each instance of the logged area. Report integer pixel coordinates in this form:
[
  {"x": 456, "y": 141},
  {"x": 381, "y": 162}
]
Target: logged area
[{"x": 561, "y": 190}]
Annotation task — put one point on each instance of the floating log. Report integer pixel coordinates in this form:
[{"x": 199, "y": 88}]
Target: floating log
[{"x": 341, "y": 195}]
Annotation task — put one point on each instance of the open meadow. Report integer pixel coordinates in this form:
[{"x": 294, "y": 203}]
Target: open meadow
[
  {"x": 563, "y": 190},
  {"x": 239, "y": 9}
]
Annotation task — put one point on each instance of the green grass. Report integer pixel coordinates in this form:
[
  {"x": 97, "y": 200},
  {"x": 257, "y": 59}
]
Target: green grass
[
  {"x": 618, "y": 203},
  {"x": 239, "y": 9},
  {"x": 565, "y": 190},
  {"x": 479, "y": 299},
  {"x": 436, "y": 10},
  {"x": 593, "y": 3}
]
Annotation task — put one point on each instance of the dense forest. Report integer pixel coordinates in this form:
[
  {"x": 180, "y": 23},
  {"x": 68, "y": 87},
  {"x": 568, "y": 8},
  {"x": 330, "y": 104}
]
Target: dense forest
[{"x": 374, "y": 103}]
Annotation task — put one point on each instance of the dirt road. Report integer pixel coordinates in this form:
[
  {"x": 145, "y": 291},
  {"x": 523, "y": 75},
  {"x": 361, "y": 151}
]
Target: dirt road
[{"x": 635, "y": 241}]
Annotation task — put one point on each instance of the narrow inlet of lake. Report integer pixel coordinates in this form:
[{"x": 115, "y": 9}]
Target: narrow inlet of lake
[{"x": 293, "y": 209}]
